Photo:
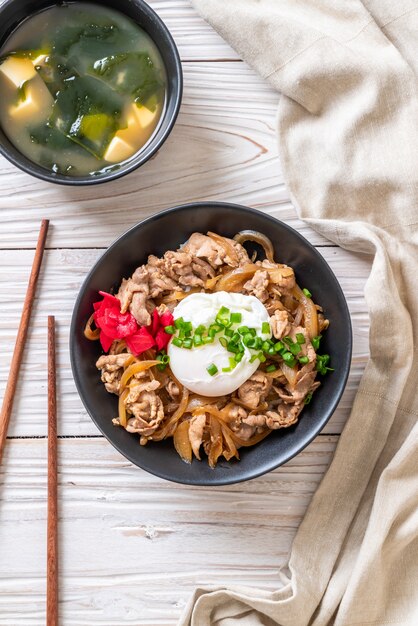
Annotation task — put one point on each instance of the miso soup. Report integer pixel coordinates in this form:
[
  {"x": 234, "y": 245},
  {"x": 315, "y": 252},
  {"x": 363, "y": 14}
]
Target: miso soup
[{"x": 82, "y": 88}]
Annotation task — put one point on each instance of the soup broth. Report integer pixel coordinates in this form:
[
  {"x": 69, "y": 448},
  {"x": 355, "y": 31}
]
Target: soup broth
[{"x": 83, "y": 88}]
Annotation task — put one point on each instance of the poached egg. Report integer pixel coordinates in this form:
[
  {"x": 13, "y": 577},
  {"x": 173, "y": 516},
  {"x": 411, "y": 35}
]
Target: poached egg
[{"x": 189, "y": 366}]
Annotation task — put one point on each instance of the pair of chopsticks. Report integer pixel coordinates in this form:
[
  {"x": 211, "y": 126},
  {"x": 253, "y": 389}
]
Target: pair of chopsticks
[{"x": 6, "y": 411}]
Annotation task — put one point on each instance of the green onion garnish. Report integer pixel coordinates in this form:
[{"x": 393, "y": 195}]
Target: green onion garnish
[
  {"x": 278, "y": 346},
  {"x": 288, "y": 340},
  {"x": 304, "y": 360},
  {"x": 208, "y": 340},
  {"x": 295, "y": 348},
  {"x": 170, "y": 330},
  {"x": 315, "y": 341},
  {"x": 212, "y": 369},
  {"x": 261, "y": 357},
  {"x": 223, "y": 312},
  {"x": 236, "y": 318},
  {"x": 300, "y": 338},
  {"x": 321, "y": 364},
  {"x": 254, "y": 358},
  {"x": 271, "y": 368},
  {"x": 187, "y": 343},
  {"x": 238, "y": 357},
  {"x": 243, "y": 330},
  {"x": 199, "y": 330},
  {"x": 265, "y": 328},
  {"x": 179, "y": 322},
  {"x": 232, "y": 362},
  {"x": 223, "y": 341},
  {"x": 307, "y": 293},
  {"x": 197, "y": 340},
  {"x": 308, "y": 397},
  {"x": 177, "y": 342}
]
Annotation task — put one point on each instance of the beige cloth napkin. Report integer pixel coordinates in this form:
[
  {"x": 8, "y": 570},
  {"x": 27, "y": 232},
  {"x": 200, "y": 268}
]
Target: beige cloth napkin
[{"x": 348, "y": 135}]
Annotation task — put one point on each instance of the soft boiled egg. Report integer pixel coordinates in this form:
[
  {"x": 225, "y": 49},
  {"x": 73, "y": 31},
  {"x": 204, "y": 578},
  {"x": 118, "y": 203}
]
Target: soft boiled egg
[{"x": 189, "y": 366}]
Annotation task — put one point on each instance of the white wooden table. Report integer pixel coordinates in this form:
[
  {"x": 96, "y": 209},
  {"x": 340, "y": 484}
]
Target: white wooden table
[{"x": 133, "y": 547}]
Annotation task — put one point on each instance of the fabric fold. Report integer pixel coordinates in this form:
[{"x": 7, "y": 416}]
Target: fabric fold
[{"x": 348, "y": 138}]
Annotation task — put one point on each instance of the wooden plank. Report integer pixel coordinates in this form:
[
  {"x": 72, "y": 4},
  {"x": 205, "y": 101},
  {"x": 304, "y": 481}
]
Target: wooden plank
[
  {"x": 220, "y": 149},
  {"x": 134, "y": 546},
  {"x": 195, "y": 39},
  {"x": 63, "y": 273}
]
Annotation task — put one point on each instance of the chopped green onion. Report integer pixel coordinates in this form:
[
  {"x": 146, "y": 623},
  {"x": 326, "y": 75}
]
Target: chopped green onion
[
  {"x": 243, "y": 330},
  {"x": 265, "y": 328},
  {"x": 236, "y": 318},
  {"x": 265, "y": 346},
  {"x": 271, "y": 368},
  {"x": 278, "y": 346},
  {"x": 212, "y": 332},
  {"x": 232, "y": 362},
  {"x": 187, "y": 327},
  {"x": 321, "y": 364},
  {"x": 228, "y": 332},
  {"x": 261, "y": 357},
  {"x": 315, "y": 341},
  {"x": 300, "y": 338},
  {"x": 254, "y": 358},
  {"x": 223, "y": 312},
  {"x": 179, "y": 322},
  {"x": 289, "y": 359},
  {"x": 212, "y": 369},
  {"x": 238, "y": 357},
  {"x": 248, "y": 340},
  {"x": 226, "y": 369},
  {"x": 200, "y": 330},
  {"x": 252, "y": 331},
  {"x": 295, "y": 348},
  {"x": 288, "y": 340},
  {"x": 271, "y": 351},
  {"x": 258, "y": 343},
  {"x": 232, "y": 347},
  {"x": 208, "y": 340},
  {"x": 187, "y": 343},
  {"x": 197, "y": 340},
  {"x": 308, "y": 397},
  {"x": 178, "y": 342},
  {"x": 304, "y": 360},
  {"x": 236, "y": 338},
  {"x": 223, "y": 341},
  {"x": 307, "y": 293},
  {"x": 170, "y": 330}
]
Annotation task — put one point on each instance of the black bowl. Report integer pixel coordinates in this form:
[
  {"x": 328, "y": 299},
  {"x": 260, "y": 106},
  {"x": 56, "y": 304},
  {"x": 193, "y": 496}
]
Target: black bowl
[
  {"x": 165, "y": 231},
  {"x": 13, "y": 12}
]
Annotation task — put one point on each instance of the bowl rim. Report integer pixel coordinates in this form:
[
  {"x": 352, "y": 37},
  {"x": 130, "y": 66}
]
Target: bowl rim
[
  {"x": 307, "y": 439},
  {"x": 33, "y": 169}
]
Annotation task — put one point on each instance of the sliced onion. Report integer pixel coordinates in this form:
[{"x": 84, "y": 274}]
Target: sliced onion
[
  {"x": 167, "y": 429},
  {"x": 196, "y": 402},
  {"x": 122, "y": 408},
  {"x": 182, "y": 442},
  {"x": 139, "y": 366},
  {"x": 310, "y": 313},
  {"x": 89, "y": 333},
  {"x": 234, "y": 280},
  {"x": 290, "y": 373},
  {"x": 257, "y": 237},
  {"x": 216, "y": 442},
  {"x": 226, "y": 245}
]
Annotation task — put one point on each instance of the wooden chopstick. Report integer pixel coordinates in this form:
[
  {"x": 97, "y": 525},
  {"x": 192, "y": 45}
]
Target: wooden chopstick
[
  {"x": 52, "y": 532},
  {"x": 9, "y": 393}
]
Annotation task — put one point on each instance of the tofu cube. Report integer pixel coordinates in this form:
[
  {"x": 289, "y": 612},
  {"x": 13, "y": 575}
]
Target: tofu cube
[
  {"x": 17, "y": 71},
  {"x": 37, "y": 103},
  {"x": 144, "y": 116},
  {"x": 118, "y": 150}
]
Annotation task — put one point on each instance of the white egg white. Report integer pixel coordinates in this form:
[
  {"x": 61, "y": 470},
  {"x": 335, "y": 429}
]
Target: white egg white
[{"x": 190, "y": 366}]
